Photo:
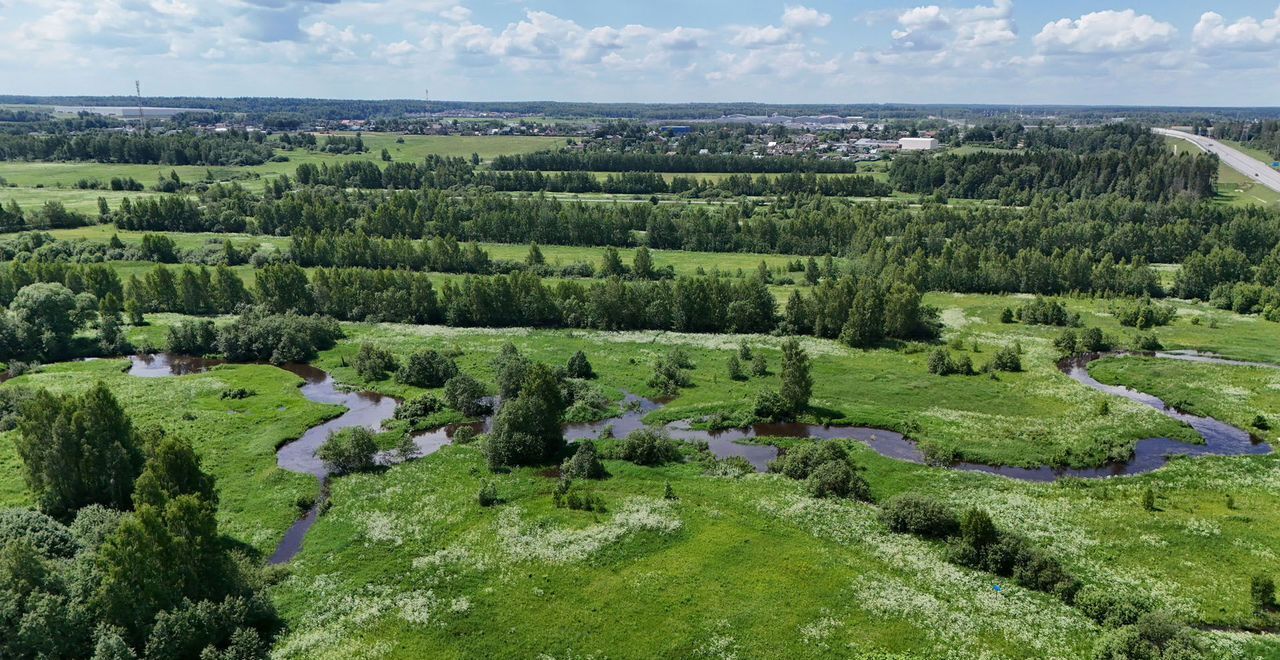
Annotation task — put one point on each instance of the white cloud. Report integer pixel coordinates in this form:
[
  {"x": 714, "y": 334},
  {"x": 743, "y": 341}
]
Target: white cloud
[
  {"x": 1106, "y": 32},
  {"x": 799, "y": 17},
  {"x": 955, "y": 36},
  {"x": 1212, "y": 32},
  {"x": 758, "y": 37}
]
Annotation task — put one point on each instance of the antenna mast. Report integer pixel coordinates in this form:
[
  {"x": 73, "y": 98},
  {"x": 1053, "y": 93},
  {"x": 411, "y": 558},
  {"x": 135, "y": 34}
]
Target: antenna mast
[{"x": 137, "y": 87}]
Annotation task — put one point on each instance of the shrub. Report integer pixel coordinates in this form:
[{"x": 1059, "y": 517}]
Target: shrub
[
  {"x": 1045, "y": 312},
  {"x": 1143, "y": 314},
  {"x": 196, "y": 337},
  {"x": 734, "y": 367},
  {"x": 580, "y": 367},
  {"x": 649, "y": 447},
  {"x": 277, "y": 338},
  {"x": 1149, "y": 499},
  {"x": 670, "y": 372},
  {"x": 836, "y": 479},
  {"x": 48, "y": 536},
  {"x": 373, "y": 362},
  {"x": 466, "y": 395},
  {"x": 1261, "y": 423},
  {"x": 488, "y": 495},
  {"x": 800, "y": 460},
  {"x": 349, "y": 450},
  {"x": 759, "y": 365},
  {"x": 1092, "y": 340},
  {"x": 584, "y": 464},
  {"x": 420, "y": 408},
  {"x": 1147, "y": 342},
  {"x": 1006, "y": 359},
  {"x": 427, "y": 368},
  {"x": 1109, "y": 608},
  {"x": 912, "y": 513},
  {"x": 1262, "y": 592},
  {"x": 770, "y": 405},
  {"x": 463, "y": 435},
  {"x": 669, "y": 493}
]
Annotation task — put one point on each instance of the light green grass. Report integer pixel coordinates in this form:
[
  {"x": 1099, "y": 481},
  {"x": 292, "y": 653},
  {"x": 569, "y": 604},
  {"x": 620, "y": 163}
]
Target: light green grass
[
  {"x": 84, "y": 201},
  {"x": 236, "y": 438},
  {"x": 1236, "y": 395}
]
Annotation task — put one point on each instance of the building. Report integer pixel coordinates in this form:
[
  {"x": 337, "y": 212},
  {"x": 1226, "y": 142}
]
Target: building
[{"x": 918, "y": 143}]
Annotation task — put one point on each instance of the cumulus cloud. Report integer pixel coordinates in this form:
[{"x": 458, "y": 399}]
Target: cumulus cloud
[
  {"x": 1212, "y": 32},
  {"x": 1106, "y": 32},
  {"x": 953, "y": 35},
  {"x": 799, "y": 17}
]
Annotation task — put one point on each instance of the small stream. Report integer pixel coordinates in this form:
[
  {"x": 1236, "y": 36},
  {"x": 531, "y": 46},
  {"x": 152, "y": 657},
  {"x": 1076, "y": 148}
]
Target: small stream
[{"x": 371, "y": 409}]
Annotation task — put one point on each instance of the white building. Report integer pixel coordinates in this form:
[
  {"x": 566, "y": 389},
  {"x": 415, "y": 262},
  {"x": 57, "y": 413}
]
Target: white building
[{"x": 917, "y": 143}]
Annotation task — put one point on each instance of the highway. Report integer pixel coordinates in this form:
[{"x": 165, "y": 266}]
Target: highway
[{"x": 1241, "y": 162}]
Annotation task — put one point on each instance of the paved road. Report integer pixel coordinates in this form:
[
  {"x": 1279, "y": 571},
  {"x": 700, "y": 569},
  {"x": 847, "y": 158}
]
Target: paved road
[{"x": 1239, "y": 161}]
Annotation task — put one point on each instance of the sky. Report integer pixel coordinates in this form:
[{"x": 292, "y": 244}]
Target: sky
[{"x": 1183, "y": 52}]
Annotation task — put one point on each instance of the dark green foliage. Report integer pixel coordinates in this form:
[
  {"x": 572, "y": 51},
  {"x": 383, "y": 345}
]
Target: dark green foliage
[
  {"x": 1142, "y": 313},
  {"x": 913, "y": 513},
  {"x": 1262, "y": 592},
  {"x": 1006, "y": 358},
  {"x": 277, "y": 338},
  {"x": 759, "y": 365},
  {"x": 1006, "y": 315},
  {"x": 45, "y": 535},
  {"x": 78, "y": 451},
  {"x": 1111, "y": 608},
  {"x": 374, "y": 363},
  {"x": 1261, "y": 423},
  {"x": 509, "y": 370},
  {"x": 172, "y": 469},
  {"x": 942, "y": 364},
  {"x": 427, "y": 368},
  {"x": 44, "y": 319},
  {"x": 649, "y": 446},
  {"x": 1148, "y": 499},
  {"x": 826, "y": 468},
  {"x": 1147, "y": 342},
  {"x": 769, "y": 405},
  {"x": 526, "y": 430},
  {"x": 1042, "y": 311},
  {"x": 94, "y": 524},
  {"x": 670, "y": 372},
  {"x": 463, "y": 435},
  {"x": 567, "y": 496},
  {"x": 1155, "y": 636},
  {"x": 488, "y": 495},
  {"x": 797, "y": 383},
  {"x": 579, "y": 367},
  {"x": 237, "y": 394},
  {"x": 584, "y": 464},
  {"x": 669, "y": 493},
  {"x": 734, "y": 368},
  {"x": 192, "y": 337},
  {"x": 984, "y": 547},
  {"x": 466, "y": 395},
  {"x": 349, "y": 450},
  {"x": 419, "y": 408}
]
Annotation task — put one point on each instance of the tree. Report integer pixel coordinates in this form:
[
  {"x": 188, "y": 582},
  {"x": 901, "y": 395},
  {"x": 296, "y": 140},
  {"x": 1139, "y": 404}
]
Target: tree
[
  {"x": 797, "y": 383},
  {"x": 865, "y": 327},
  {"x": 734, "y": 367},
  {"x": 509, "y": 370},
  {"x": 78, "y": 451},
  {"x": 759, "y": 365},
  {"x": 427, "y": 368},
  {"x": 642, "y": 264},
  {"x": 374, "y": 362},
  {"x": 349, "y": 450},
  {"x": 46, "y": 318},
  {"x": 811, "y": 274},
  {"x": 534, "y": 258},
  {"x": 611, "y": 264},
  {"x": 172, "y": 469},
  {"x": 527, "y": 429},
  {"x": 465, "y": 394},
  {"x": 584, "y": 464},
  {"x": 580, "y": 367}
]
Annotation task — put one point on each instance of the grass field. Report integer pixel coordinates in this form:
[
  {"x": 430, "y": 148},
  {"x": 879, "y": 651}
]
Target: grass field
[
  {"x": 407, "y": 564},
  {"x": 84, "y": 201}
]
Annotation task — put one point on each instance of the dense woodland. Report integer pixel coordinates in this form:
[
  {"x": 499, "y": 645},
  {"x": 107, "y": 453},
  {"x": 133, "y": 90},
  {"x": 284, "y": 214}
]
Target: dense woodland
[
  {"x": 231, "y": 148},
  {"x": 595, "y": 161}
]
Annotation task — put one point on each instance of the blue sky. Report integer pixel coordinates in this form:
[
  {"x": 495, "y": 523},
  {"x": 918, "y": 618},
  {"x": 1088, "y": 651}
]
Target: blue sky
[{"x": 1196, "y": 52}]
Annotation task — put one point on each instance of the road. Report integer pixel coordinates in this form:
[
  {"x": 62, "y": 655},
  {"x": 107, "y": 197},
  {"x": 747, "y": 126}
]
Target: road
[{"x": 1239, "y": 161}]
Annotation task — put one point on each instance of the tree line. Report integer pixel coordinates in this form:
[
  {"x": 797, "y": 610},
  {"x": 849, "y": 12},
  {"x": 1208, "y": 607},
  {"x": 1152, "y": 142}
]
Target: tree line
[
  {"x": 612, "y": 161},
  {"x": 230, "y": 148}
]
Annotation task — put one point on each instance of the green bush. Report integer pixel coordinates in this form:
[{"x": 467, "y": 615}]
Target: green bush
[
  {"x": 427, "y": 368},
  {"x": 580, "y": 367},
  {"x": 837, "y": 479},
  {"x": 349, "y": 450},
  {"x": 649, "y": 447},
  {"x": 584, "y": 464},
  {"x": 374, "y": 363},
  {"x": 1109, "y": 608},
  {"x": 466, "y": 395},
  {"x": 912, "y": 513}
]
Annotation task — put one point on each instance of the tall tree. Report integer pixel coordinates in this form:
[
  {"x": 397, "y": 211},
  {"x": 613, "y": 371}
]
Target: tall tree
[{"x": 797, "y": 383}]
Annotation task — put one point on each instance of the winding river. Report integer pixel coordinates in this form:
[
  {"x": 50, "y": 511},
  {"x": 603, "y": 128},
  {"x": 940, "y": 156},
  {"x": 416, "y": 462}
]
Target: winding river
[{"x": 371, "y": 409}]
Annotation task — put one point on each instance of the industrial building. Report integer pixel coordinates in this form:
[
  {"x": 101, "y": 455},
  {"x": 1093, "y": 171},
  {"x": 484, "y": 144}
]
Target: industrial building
[{"x": 917, "y": 143}]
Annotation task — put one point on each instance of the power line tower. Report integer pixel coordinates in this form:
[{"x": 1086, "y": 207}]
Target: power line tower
[{"x": 137, "y": 88}]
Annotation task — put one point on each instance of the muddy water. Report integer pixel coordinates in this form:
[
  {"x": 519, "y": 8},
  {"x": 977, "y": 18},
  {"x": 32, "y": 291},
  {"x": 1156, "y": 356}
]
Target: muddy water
[{"x": 370, "y": 409}]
